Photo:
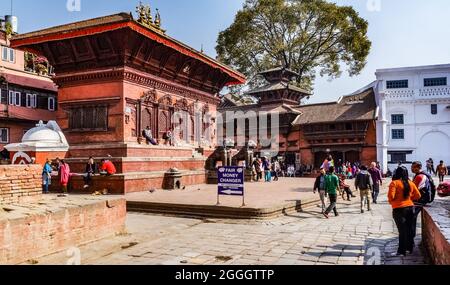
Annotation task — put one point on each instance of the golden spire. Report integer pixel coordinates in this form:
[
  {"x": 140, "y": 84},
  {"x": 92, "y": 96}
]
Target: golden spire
[
  {"x": 148, "y": 15},
  {"x": 157, "y": 18},
  {"x": 145, "y": 17},
  {"x": 141, "y": 13}
]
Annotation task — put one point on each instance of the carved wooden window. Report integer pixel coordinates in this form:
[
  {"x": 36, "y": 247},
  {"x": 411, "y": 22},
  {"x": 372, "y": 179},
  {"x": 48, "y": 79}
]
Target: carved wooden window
[
  {"x": 89, "y": 118},
  {"x": 163, "y": 123}
]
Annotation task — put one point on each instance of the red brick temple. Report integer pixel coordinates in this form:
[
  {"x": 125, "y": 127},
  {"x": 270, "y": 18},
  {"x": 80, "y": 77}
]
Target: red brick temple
[
  {"x": 116, "y": 76},
  {"x": 345, "y": 129}
]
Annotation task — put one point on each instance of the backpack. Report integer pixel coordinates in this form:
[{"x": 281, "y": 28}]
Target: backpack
[
  {"x": 363, "y": 181},
  {"x": 429, "y": 191}
]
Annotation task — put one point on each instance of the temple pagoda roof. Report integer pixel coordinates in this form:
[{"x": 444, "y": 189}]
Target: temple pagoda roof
[
  {"x": 277, "y": 86},
  {"x": 116, "y": 22},
  {"x": 357, "y": 107}
]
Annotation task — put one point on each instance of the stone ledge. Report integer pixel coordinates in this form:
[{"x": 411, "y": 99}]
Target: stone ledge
[
  {"x": 222, "y": 212},
  {"x": 436, "y": 231}
]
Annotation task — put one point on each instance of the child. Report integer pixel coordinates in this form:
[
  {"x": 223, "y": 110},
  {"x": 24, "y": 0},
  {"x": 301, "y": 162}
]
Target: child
[{"x": 345, "y": 187}]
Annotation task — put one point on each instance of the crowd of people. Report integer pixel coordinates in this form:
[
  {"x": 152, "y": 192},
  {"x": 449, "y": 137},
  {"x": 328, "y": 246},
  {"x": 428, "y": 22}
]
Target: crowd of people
[
  {"x": 61, "y": 169},
  {"x": 407, "y": 197}
]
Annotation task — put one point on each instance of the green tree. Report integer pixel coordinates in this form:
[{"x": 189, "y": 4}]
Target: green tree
[{"x": 305, "y": 35}]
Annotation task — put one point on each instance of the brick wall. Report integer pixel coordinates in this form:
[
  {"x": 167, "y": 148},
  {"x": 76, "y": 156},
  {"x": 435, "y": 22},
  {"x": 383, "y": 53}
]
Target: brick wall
[
  {"x": 436, "y": 234},
  {"x": 59, "y": 227},
  {"x": 20, "y": 183}
]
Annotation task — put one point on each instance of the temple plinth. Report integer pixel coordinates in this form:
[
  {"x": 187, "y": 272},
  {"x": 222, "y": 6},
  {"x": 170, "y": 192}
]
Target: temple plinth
[{"x": 116, "y": 77}]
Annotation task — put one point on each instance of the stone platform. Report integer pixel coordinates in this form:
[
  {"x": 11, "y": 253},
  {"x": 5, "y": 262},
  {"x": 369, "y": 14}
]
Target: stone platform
[
  {"x": 140, "y": 168},
  {"x": 130, "y": 182},
  {"x": 34, "y": 225},
  {"x": 33, "y": 230},
  {"x": 263, "y": 200}
]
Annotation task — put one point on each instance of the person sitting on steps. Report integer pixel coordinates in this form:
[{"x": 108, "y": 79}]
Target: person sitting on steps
[{"x": 147, "y": 134}]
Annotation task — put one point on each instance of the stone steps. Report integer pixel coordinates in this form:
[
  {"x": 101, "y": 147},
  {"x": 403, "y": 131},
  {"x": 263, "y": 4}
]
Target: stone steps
[{"x": 132, "y": 181}]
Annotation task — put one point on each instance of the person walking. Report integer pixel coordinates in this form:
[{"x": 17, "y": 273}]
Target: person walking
[
  {"x": 425, "y": 183},
  {"x": 90, "y": 170},
  {"x": 441, "y": 171},
  {"x": 377, "y": 179},
  {"x": 430, "y": 169},
  {"x": 257, "y": 167},
  {"x": 64, "y": 171},
  {"x": 364, "y": 183},
  {"x": 46, "y": 176},
  {"x": 275, "y": 170},
  {"x": 332, "y": 188},
  {"x": 345, "y": 188},
  {"x": 432, "y": 166},
  {"x": 319, "y": 185},
  {"x": 266, "y": 166},
  {"x": 402, "y": 193}
]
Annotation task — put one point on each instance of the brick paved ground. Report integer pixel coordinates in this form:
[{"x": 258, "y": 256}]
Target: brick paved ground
[
  {"x": 258, "y": 195},
  {"x": 299, "y": 239}
]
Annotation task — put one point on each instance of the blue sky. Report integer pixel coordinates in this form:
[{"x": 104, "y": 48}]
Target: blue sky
[{"x": 403, "y": 32}]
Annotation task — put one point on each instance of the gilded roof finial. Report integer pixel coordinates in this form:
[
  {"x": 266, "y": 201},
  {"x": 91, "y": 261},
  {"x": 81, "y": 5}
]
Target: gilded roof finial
[
  {"x": 145, "y": 17},
  {"x": 148, "y": 15},
  {"x": 141, "y": 13},
  {"x": 157, "y": 18}
]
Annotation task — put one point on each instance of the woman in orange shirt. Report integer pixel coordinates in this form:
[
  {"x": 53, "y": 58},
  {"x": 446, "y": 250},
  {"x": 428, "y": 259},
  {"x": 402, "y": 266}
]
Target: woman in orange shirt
[{"x": 402, "y": 194}]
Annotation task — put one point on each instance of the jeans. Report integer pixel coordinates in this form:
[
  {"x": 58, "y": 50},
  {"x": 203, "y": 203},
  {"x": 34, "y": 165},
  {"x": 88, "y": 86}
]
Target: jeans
[
  {"x": 348, "y": 192},
  {"x": 375, "y": 192},
  {"x": 441, "y": 178},
  {"x": 87, "y": 178},
  {"x": 45, "y": 190},
  {"x": 416, "y": 212},
  {"x": 404, "y": 220},
  {"x": 268, "y": 176},
  {"x": 258, "y": 176},
  {"x": 322, "y": 199},
  {"x": 333, "y": 203},
  {"x": 365, "y": 199}
]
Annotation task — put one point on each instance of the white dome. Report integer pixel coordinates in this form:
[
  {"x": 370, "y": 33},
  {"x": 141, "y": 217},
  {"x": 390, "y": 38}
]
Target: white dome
[
  {"x": 47, "y": 137},
  {"x": 41, "y": 134}
]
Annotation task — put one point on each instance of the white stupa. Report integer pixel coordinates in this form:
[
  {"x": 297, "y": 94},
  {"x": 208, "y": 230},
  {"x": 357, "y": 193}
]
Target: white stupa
[{"x": 44, "y": 138}]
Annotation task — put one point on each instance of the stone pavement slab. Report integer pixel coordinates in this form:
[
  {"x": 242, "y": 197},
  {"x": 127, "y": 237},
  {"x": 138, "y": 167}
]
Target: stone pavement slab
[{"x": 298, "y": 238}]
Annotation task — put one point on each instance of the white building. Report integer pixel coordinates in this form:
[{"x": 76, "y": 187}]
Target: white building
[{"x": 414, "y": 115}]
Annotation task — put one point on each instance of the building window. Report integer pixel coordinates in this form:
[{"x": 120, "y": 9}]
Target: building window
[
  {"x": 89, "y": 118},
  {"x": 4, "y": 135},
  {"x": 429, "y": 82},
  {"x": 398, "y": 134},
  {"x": 8, "y": 54},
  {"x": 14, "y": 98},
  {"x": 51, "y": 103},
  {"x": 398, "y": 157},
  {"x": 4, "y": 97},
  {"x": 348, "y": 127},
  {"x": 397, "y": 84},
  {"x": 31, "y": 101},
  {"x": 434, "y": 109},
  {"x": 398, "y": 119}
]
